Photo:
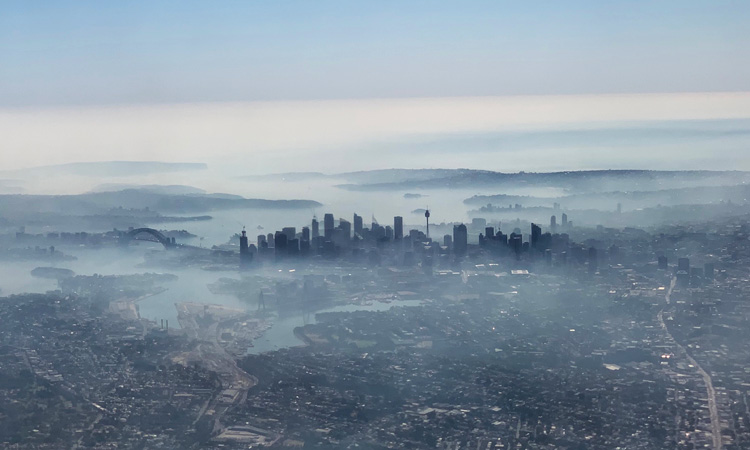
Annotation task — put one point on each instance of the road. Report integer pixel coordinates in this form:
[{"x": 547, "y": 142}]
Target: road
[
  {"x": 710, "y": 392},
  {"x": 214, "y": 357}
]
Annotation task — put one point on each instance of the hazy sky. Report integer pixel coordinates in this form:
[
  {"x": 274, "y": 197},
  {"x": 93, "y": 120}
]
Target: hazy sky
[
  {"x": 103, "y": 52},
  {"x": 271, "y": 86},
  {"x": 343, "y": 135}
]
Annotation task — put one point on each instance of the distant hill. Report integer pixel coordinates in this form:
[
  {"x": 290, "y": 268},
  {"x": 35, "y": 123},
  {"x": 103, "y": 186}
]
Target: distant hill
[
  {"x": 575, "y": 181},
  {"x": 629, "y": 199},
  {"x": 109, "y": 168},
  {"x": 102, "y": 202},
  {"x": 172, "y": 189},
  {"x": 287, "y": 176},
  {"x": 364, "y": 176},
  {"x": 398, "y": 176}
]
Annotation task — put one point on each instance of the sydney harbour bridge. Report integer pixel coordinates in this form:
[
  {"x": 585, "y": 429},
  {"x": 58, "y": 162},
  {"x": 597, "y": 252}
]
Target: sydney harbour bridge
[{"x": 148, "y": 234}]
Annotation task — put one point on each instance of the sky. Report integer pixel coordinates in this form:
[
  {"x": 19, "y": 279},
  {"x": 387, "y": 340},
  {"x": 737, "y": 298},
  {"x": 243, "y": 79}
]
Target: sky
[
  {"x": 93, "y": 52},
  {"x": 284, "y": 85}
]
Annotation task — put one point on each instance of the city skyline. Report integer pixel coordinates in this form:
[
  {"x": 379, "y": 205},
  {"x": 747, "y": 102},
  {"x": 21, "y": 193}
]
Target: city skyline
[{"x": 376, "y": 225}]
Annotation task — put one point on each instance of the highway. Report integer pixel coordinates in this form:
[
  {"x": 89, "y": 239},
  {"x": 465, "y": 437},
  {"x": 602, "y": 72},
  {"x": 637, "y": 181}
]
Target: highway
[
  {"x": 710, "y": 392},
  {"x": 214, "y": 357}
]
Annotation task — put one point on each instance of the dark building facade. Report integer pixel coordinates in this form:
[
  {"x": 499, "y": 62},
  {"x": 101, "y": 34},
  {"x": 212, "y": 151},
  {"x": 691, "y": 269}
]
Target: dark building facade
[
  {"x": 328, "y": 226},
  {"x": 460, "y": 240},
  {"x": 398, "y": 227}
]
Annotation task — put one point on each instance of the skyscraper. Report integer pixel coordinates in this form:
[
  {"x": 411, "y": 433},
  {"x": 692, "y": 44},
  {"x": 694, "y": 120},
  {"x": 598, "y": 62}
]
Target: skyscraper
[
  {"x": 460, "y": 239},
  {"x": 346, "y": 228},
  {"x": 315, "y": 227},
  {"x": 536, "y": 232},
  {"x": 245, "y": 255},
  {"x": 516, "y": 243},
  {"x": 290, "y": 232},
  {"x": 280, "y": 243},
  {"x": 398, "y": 227},
  {"x": 358, "y": 226},
  {"x": 328, "y": 225},
  {"x": 243, "y": 242}
]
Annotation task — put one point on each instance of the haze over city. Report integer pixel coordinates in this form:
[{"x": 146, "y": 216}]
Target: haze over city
[{"x": 453, "y": 225}]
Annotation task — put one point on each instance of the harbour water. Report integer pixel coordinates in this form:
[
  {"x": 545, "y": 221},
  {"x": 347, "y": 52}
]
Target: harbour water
[
  {"x": 281, "y": 334},
  {"x": 191, "y": 286}
]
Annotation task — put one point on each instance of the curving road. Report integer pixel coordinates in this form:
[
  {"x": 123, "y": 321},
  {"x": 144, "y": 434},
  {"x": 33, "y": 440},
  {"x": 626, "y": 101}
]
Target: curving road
[{"x": 711, "y": 393}]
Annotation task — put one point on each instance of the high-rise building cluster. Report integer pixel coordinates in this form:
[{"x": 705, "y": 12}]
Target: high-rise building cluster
[{"x": 355, "y": 241}]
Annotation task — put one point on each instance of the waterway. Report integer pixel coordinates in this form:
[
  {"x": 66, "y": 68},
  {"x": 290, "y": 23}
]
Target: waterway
[
  {"x": 191, "y": 286},
  {"x": 281, "y": 334}
]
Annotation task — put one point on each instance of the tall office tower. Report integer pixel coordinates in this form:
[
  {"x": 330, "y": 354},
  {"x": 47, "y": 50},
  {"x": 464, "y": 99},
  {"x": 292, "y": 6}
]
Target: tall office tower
[
  {"x": 388, "y": 232},
  {"x": 398, "y": 227},
  {"x": 460, "y": 239},
  {"x": 358, "y": 227},
  {"x": 306, "y": 234},
  {"x": 245, "y": 255},
  {"x": 290, "y": 232},
  {"x": 262, "y": 240},
  {"x": 271, "y": 239},
  {"x": 592, "y": 260},
  {"x": 536, "y": 232},
  {"x": 489, "y": 233},
  {"x": 280, "y": 243},
  {"x": 304, "y": 245},
  {"x": 564, "y": 220},
  {"x": 448, "y": 241},
  {"x": 315, "y": 227},
  {"x": 516, "y": 243},
  {"x": 328, "y": 225},
  {"x": 292, "y": 247},
  {"x": 377, "y": 231},
  {"x": 553, "y": 223},
  {"x": 427, "y": 218},
  {"x": 346, "y": 228},
  {"x": 243, "y": 242}
]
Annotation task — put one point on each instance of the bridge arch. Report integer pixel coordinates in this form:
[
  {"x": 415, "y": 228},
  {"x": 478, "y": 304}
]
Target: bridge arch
[{"x": 163, "y": 240}]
